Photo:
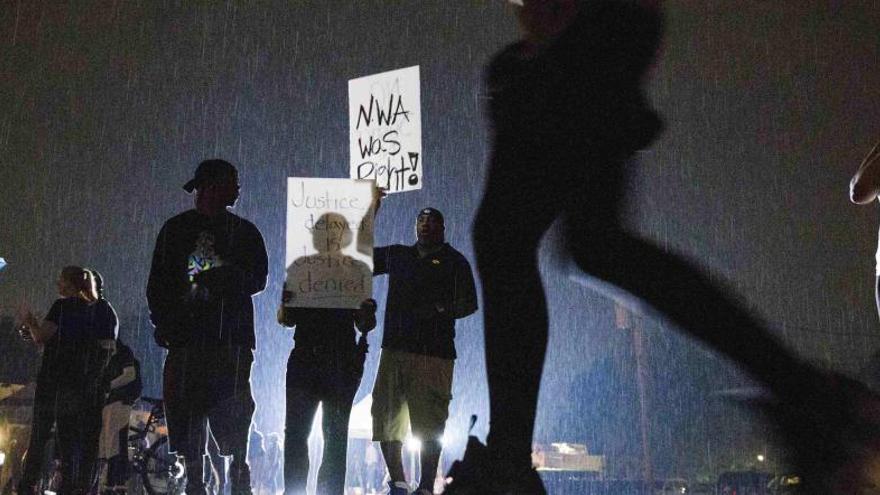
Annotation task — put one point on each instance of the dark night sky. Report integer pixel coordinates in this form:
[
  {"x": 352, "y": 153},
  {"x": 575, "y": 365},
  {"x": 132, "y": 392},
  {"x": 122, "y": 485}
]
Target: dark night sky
[{"x": 106, "y": 107}]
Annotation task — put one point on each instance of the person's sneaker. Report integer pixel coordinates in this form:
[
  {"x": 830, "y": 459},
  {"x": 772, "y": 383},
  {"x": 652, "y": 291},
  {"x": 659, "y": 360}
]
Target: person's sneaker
[{"x": 398, "y": 488}]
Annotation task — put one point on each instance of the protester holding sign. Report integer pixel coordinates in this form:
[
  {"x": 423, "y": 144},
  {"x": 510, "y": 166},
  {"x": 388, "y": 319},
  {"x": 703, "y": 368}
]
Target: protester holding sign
[
  {"x": 327, "y": 298},
  {"x": 325, "y": 368},
  {"x": 430, "y": 286}
]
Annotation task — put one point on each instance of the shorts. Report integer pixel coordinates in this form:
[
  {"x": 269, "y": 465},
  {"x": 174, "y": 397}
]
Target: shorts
[{"x": 412, "y": 392}]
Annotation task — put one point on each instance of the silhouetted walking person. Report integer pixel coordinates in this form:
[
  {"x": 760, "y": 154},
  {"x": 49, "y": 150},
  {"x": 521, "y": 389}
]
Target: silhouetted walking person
[{"x": 567, "y": 111}]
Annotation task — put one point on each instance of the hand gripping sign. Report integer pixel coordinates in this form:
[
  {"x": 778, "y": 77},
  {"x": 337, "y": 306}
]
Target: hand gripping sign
[{"x": 385, "y": 122}]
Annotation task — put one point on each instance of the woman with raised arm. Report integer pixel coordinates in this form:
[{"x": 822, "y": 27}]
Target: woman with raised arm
[{"x": 77, "y": 337}]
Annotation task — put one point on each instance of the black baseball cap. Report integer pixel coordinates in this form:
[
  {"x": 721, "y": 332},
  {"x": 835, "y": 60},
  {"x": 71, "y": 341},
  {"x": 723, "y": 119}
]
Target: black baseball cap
[
  {"x": 210, "y": 171},
  {"x": 432, "y": 213}
]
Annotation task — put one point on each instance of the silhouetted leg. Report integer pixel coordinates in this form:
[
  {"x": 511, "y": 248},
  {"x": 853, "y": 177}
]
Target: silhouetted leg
[
  {"x": 392, "y": 451},
  {"x": 41, "y": 432},
  {"x": 682, "y": 293},
  {"x": 231, "y": 412},
  {"x": 185, "y": 416},
  {"x": 429, "y": 395},
  {"x": 390, "y": 410},
  {"x": 77, "y": 444},
  {"x": 337, "y": 410},
  {"x": 429, "y": 457},
  {"x": 302, "y": 404},
  {"x": 515, "y": 212}
]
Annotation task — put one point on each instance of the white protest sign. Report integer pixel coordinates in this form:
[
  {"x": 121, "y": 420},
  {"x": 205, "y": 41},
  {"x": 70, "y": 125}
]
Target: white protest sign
[
  {"x": 329, "y": 243},
  {"x": 385, "y": 122}
]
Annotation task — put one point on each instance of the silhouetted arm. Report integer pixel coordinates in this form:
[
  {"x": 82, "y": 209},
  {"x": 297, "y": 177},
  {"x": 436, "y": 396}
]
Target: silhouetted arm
[
  {"x": 464, "y": 301},
  {"x": 160, "y": 285},
  {"x": 865, "y": 184},
  {"x": 254, "y": 267},
  {"x": 363, "y": 246},
  {"x": 39, "y": 331},
  {"x": 128, "y": 375}
]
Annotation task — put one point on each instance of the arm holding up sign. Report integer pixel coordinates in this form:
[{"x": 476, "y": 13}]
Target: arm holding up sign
[
  {"x": 464, "y": 300},
  {"x": 364, "y": 236}
]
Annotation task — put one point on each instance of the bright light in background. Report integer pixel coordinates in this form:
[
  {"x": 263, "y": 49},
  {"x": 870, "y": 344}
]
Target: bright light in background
[
  {"x": 760, "y": 457},
  {"x": 413, "y": 444},
  {"x": 2, "y": 458}
]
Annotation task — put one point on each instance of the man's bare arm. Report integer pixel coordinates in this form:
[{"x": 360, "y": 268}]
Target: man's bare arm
[{"x": 865, "y": 184}]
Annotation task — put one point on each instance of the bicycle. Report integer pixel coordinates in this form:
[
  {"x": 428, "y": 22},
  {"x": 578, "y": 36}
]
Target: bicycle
[{"x": 158, "y": 472}]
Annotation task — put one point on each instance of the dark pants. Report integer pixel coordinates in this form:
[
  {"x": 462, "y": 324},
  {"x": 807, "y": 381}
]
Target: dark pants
[
  {"x": 312, "y": 379},
  {"x": 117, "y": 466},
  {"x": 76, "y": 447},
  {"x": 78, "y": 450},
  {"x": 209, "y": 386},
  {"x": 529, "y": 186},
  {"x": 41, "y": 432}
]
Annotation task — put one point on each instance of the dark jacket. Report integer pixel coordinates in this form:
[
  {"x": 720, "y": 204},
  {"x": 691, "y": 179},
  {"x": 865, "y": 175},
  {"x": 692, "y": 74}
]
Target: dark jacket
[
  {"x": 425, "y": 297},
  {"x": 204, "y": 273},
  {"x": 326, "y": 339}
]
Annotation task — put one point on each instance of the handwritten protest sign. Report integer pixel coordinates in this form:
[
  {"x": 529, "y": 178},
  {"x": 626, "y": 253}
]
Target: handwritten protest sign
[
  {"x": 385, "y": 121},
  {"x": 329, "y": 243}
]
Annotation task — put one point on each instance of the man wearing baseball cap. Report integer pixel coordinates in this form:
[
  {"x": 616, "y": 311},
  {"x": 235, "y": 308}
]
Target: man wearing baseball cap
[
  {"x": 430, "y": 286},
  {"x": 207, "y": 266}
]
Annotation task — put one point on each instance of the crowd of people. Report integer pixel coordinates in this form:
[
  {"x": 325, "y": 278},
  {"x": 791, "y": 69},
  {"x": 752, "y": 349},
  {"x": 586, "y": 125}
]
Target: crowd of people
[
  {"x": 568, "y": 97},
  {"x": 207, "y": 266}
]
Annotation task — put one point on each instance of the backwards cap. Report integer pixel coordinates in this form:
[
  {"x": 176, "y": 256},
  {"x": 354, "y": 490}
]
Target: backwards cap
[{"x": 210, "y": 171}]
